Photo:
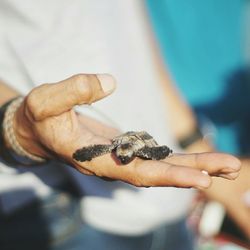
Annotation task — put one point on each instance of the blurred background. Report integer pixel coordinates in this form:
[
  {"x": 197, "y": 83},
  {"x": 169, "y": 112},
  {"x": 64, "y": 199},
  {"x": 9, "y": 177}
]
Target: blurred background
[{"x": 205, "y": 49}]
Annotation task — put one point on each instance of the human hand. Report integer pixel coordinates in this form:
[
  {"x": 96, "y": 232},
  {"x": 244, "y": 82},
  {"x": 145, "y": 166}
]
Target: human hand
[
  {"x": 231, "y": 195},
  {"x": 46, "y": 125}
]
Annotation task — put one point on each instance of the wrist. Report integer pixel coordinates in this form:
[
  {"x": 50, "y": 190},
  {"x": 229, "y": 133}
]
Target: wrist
[
  {"x": 195, "y": 141},
  {"x": 23, "y": 128},
  {"x": 12, "y": 127},
  {"x": 5, "y": 153}
]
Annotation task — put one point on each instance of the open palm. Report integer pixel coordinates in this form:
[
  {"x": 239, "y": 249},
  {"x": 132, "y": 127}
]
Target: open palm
[{"x": 47, "y": 125}]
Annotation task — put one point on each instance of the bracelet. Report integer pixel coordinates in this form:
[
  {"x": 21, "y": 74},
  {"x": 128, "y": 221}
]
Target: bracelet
[
  {"x": 9, "y": 133},
  {"x": 5, "y": 153},
  {"x": 195, "y": 136}
]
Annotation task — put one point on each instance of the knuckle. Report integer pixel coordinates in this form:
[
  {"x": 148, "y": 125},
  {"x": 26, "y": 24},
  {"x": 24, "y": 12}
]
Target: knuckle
[
  {"x": 83, "y": 170},
  {"x": 33, "y": 102},
  {"x": 91, "y": 166},
  {"x": 141, "y": 182},
  {"x": 137, "y": 183},
  {"x": 134, "y": 175},
  {"x": 82, "y": 87},
  {"x": 79, "y": 78},
  {"x": 32, "y": 106}
]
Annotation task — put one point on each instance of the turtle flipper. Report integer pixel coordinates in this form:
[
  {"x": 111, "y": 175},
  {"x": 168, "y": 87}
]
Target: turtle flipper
[
  {"x": 154, "y": 153},
  {"x": 90, "y": 152}
]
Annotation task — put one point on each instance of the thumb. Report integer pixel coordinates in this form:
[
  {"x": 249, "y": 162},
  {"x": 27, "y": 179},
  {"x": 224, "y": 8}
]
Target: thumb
[{"x": 53, "y": 99}]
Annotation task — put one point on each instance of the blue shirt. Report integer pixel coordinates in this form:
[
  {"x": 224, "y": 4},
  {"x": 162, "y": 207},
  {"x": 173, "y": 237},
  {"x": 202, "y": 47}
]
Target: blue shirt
[{"x": 202, "y": 45}]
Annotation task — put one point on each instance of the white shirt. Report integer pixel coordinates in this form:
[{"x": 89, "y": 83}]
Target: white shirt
[{"x": 47, "y": 41}]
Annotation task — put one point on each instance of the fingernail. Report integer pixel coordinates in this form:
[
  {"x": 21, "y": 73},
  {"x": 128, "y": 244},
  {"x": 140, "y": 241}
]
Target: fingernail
[
  {"x": 233, "y": 175},
  {"x": 204, "y": 181},
  {"x": 229, "y": 176},
  {"x": 108, "y": 83},
  {"x": 202, "y": 187},
  {"x": 229, "y": 170},
  {"x": 234, "y": 164},
  {"x": 246, "y": 198},
  {"x": 204, "y": 172}
]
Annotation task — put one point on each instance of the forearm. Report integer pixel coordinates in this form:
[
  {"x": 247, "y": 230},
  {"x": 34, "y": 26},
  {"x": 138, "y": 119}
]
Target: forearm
[
  {"x": 182, "y": 120},
  {"x": 6, "y": 93}
]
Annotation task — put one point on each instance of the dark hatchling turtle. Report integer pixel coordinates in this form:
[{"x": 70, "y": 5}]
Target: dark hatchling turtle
[{"x": 126, "y": 147}]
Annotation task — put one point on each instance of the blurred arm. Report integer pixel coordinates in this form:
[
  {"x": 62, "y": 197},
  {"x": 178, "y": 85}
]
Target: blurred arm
[
  {"x": 6, "y": 93},
  {"x": 183, "y": 122}
]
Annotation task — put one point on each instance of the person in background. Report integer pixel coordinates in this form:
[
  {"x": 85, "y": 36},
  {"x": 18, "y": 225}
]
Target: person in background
[
  {"x": 42, "y": 206},
  {"x": 204, "y": 48}
]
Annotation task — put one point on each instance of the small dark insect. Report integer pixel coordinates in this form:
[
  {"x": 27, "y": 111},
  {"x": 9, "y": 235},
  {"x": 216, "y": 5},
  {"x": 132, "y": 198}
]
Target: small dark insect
[{"x": 126, "y": 147}]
